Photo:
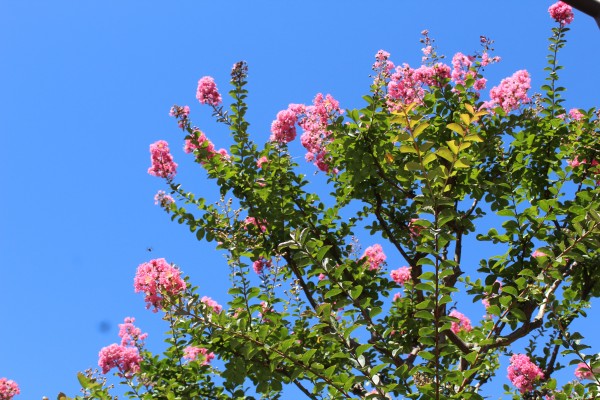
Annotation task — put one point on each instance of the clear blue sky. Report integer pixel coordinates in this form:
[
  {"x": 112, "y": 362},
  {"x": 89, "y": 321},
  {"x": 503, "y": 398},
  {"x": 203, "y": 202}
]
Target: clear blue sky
[{"x": 86, "y": 86}]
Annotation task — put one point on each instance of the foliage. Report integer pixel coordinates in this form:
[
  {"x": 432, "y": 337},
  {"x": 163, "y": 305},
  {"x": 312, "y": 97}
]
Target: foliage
[{"x": 422, "y": 176}]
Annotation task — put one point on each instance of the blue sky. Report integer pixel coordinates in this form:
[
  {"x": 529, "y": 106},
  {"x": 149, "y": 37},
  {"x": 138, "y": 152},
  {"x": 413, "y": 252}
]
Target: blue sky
[{"x": 86, "y": 86}]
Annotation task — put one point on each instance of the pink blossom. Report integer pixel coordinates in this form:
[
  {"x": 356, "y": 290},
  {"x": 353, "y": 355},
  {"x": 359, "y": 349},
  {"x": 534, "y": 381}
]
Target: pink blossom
[
  {"x": 190, "y": 145},
  {"x": 382, "y": 63},
  {"x": 157, "y": 278},
  {"x": 216, "y": 307},
  {"x": 461, "y": 68},
  {"x": 8, "y": 389},
  {"x": 413, "y": 229},
  {"x": 575, "y": 114},
  {"x": 538, "y": 253},
  {"x": 583, "y": 371},
  {"x": 406, "y": 84},
  {"x": 464, "y": 323},
  {"x": 486, "y": 59},
  {"x": 283, "y": 129},
  {"x": 181, "y": 113},
  {"x": 223, "y": 153},
  {"x": 163, "y": 199},
  {"x": 523, "y": 373},
  {"x": 163, "y": 165},
  {"x": 265, "y": 310},
  {"x": 486, "y": 303},
  {"x": 375, "y": 257},
  {"x": 397, "y": 296},
  {"x": 259, "y": 265},
  {"x": 575, "y": 162},
  {"x": 401, "y": 275},
  {"x": 190, "y": 353},
  {"x": 561, "y": 12},
  {"x": 480, "y": 84},
  {"x": 404, "y": 88},
  {"x": 322, "y": 276},
  {"x": 316, "y": 136},
  {"x": 253, "y": 221},
  {"x": 125, "y": 359},
  {"x": 130, "y": 334},
  {"x": 511, "y": 92},
  {"x": 261, "y": 161},
  {"x": 207, "y": 92},
  {"x": 204, "y": 148}
]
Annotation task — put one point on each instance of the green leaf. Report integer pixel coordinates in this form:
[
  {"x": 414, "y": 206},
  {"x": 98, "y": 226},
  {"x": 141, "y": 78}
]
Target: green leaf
[
  {"x": 429, "y": 158},
  {"x": 473, "y": 138},
  {"x": 424, "y": 314},
  {"x": 405, "y": 148},
  {"x": 456, "y": 128},
  {"x": 462, "y": 163},
  {"x": 419, "y": 129},
  {"x": 510, "y": 290},
  {"x": 356, "y": 291},
  {"x": 471, "y": 357},
  {"x": 333, "y": 292},
  {"x": 453, "y": 145},
  {"x": 362, "y": 348},
  {"x": 446, "y": 154},
  {"x": 308, "y": 355}
]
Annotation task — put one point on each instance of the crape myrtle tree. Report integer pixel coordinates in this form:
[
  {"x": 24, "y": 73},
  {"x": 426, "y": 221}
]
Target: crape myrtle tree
[{"x": 426, "y": 161}]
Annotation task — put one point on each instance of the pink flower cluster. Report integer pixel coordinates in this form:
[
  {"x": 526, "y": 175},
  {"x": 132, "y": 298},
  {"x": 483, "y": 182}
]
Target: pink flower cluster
[
  {"x": 576, "y": 163},
  {"x": 130, "y": 334},
  {"x": 406, "y": 84},
  {"x": 511, "y": 92},
  {"x": 523, "y": 373},
  {"x": 8, "y": 389},
  {"x": 125, "y": 359},
  {"x": 486, "y": 59},
  {"x": 538, "y": 253},
  {"x": 401, "y": 275},
  {"x": 259, "y": 265},
  {"x": 562, "y": 13},
  {"x": 283, "y": 129},
  {"x": 265, "y": 309},
  {"x": 181, "y": 113},
  {"x": 414, "y": 230},
  {"x": 382, "y": 66},
  {"x": 575, "y": 114},
  {"x": 163, "y": 165},
  {"x": 461, "y": 69},
  {"x": 190, "y": 145},
  {"x": 157, "y": 278},
  {"x": 216, "y": 307},
  {"x": 261, "y": 161},
  {"x": 463, "y": 324},
  {"x": 375, "y": 256},
  {"x": 583, "y": 371},
  {"x": 316, "y": 136},
  {"x": 163, "y": 199},
  {"x": 382, "y": 61},
  {"x": 314, "y": 121},
  {"x": 253, "y": 221},
  {"x": 486, "y": 300},
  {"x": 207, "y": 92},
  {"x": 203, "y": 145},
  {"x": 191, "y": 353}
]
